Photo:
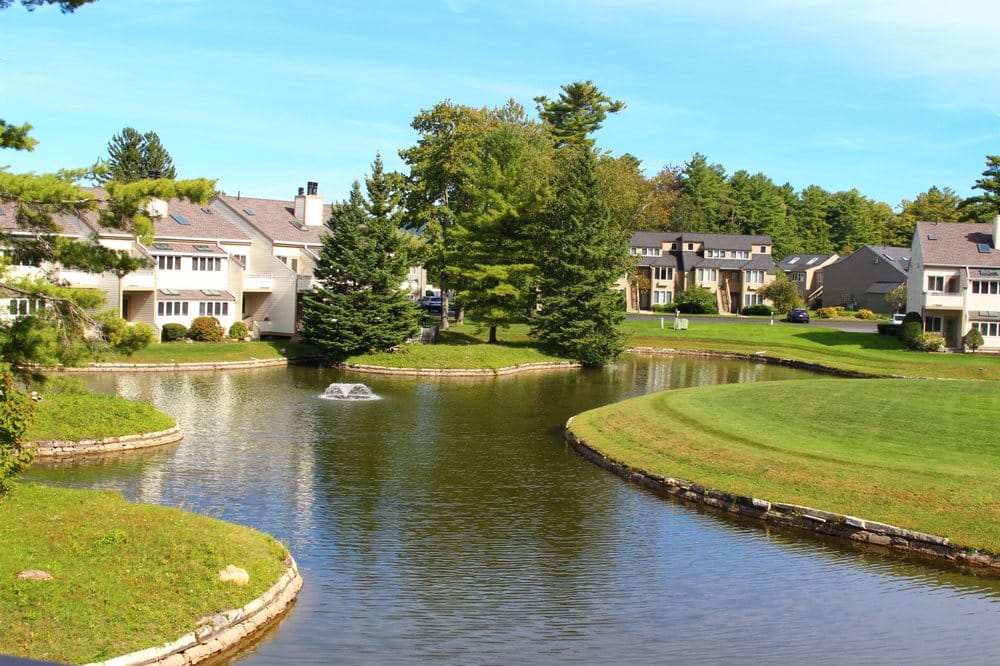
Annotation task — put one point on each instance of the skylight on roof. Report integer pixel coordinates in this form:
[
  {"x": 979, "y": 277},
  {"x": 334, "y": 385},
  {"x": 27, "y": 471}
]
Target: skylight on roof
[
  {"x": 887, "y": 256},
  {"x": 793, "y": 260},
  {"x": 206, "y": 210},
  {"x": 180, "y": 219},
  {"x": 984, "y": 247},
  {"x": 170, "y": 292},
  {"x": 298, "y": 225},
  {"x": 811, "y": 261},
  {"x": 931, "y": 236},
  {"x": 203, "y": 248},
  {"x": 161, "y": 246},
  {"x": 210, "y": 292},
  {"x": 248, "y": 211},
  {"x": 2, "y": 212}
]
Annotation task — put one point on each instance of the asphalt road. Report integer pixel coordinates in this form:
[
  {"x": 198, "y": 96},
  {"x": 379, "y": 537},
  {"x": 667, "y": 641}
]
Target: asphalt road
[{"x": 858, "y": 326}]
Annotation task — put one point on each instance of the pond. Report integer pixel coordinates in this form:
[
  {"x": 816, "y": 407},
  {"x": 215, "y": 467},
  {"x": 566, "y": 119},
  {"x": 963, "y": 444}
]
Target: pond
[{"x": 448, "y": 522}]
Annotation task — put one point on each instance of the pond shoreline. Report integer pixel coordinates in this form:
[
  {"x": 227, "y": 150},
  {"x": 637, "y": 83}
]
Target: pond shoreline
[
  {"x": 827, "y": 523},
  {"x": 49, "y": 449}
]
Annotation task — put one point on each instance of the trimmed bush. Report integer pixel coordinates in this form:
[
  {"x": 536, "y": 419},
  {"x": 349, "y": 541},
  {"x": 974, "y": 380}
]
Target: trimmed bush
[
  {"x": 697, "y": 300},
  {"x": 929, "y": 342},
  {"x": 910, "y": 333},
  {"x": 759, "y": 310},
  {"x": 124, "y": 338},
  {"x": 826, "y": 313},
  {"x": 206, "y": 329},
  {"x": 864, "y": 313},
  {"x": 972, "y": 340},
  {"x": 665, "y": 308},
  {"x": 173, "y": 332},
  {"x": 238, "y": 331},
  {"x": 913, "y": 316}
]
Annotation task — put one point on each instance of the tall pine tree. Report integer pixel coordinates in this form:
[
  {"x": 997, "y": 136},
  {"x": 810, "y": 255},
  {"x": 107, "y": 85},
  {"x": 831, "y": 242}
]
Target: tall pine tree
[
  {"x": 583, "y": 255},
  {"x": 358, "y": 304},
  {"x": 133, "y": 156}
]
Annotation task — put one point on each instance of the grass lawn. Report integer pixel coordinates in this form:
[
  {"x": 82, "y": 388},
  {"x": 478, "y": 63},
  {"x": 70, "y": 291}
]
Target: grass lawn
[
  {"x": 215, "y": 352},
  {"x": 126, "y": 576},
  {"x": 868, "y": 353},
  {"x": 76, "y": 416},
  {"x": 464, "y": 347},
  {"x": 914, "y": 453}
]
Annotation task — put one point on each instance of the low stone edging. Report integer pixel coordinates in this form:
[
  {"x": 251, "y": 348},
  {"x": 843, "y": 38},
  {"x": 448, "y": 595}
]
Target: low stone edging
[
  {"x": 462, "y": 372},
  {"x": 760, "y": 357},
  {"x": 791, "y": 515},
  {"x": 221, "y": 632},
  {"x": 64, "y": 448},
  {"x": 179, "y": 367}
]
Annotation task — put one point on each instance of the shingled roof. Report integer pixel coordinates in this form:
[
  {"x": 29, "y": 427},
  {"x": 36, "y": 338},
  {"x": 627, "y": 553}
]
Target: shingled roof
[
  {"x": 957, "y": 244},
  {"x": 275, "y": 219}
]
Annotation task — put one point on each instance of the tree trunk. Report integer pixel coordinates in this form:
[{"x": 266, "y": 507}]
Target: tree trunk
[
  {"x": 460, "y": 314},
  {"x": 444, "y": 302},
  {"x": 493, "y": 335}
]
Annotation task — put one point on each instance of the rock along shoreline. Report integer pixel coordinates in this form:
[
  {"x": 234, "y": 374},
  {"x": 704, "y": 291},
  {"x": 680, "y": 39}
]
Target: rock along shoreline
[
  {"x": 818, "y": 521},
  {"x": 56, "y": 448}
]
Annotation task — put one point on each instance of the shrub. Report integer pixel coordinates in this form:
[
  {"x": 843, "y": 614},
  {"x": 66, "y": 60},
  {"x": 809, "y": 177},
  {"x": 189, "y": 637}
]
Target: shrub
[
  {"x": 864, "y": 313},
  {"x": 913, "y": 316},
  {"x": 826, "y": 313},
  {"x": 929, "y": 342},
  {"x": 206, "y": 329},
  {"x": 172, "y": 332},
  {"x": 697, "y": 300},
  {"x": 665, "y": 308},
  {"x": 910, "y": 333},
  {"x": 888, "y": 329},
  {"x": 759, "y": 310},
  {"x": 126, "y": 339},
  {"x": 238, "y": 331},
  {"x": 17, "y": 412},
  {"x": 972, "y": 340},
  {"x": 817, "y": 303}
]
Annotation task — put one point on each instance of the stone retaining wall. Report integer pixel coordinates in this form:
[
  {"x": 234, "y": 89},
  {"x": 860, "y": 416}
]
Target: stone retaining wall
[
  {"x": 791, "y": 515},
  {"x": 462, "y": 372},
  {"x": 179, "y": 367},
  {"x": 222, "y": 632},
  {"x": 63, "y": 449}
]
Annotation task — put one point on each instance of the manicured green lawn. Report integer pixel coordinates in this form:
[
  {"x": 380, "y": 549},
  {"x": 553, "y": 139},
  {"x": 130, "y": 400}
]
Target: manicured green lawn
[
  {"x": 126, "y": 576},
  {"x": 216, "y": 352},
  {"x": 76, "y": 416},
  {"x": 867, "y": 353},
  {"x": 463, "y": 347},
  {"x": 919, "y": 454}
]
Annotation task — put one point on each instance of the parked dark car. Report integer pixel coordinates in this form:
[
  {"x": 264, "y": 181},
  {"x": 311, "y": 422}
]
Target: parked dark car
[{"x": 798, "y": 315}]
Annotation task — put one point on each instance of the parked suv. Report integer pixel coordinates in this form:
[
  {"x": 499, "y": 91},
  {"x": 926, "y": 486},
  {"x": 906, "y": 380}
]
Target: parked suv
[
  {"x": 431, "y": 303},
  {"x": 799, "y": 315},
  {"x": 897, "y": 318}
]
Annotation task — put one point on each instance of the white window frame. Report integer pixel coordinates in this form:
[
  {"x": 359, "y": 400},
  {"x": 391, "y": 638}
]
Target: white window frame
[
  {"x": 662, "y": 297},
  {"x": 711, "y": 273},
  {"x": 171, "y": 308},
  {"x": 741, "y": 254},
  {"x": 988, "y": 329},
  {"x": 933, "y": 324},
  {"x": 935, "y": 283},
  {"x": 990, "y": 287},
  {"x": 213, "y": 308},
  {"x": 752, "y": 298},
  {"x": 168, "y": 262},
  {"x": 663, "y": 272},
  {"x": 755, "y": 276},
  {"x": 715, "y": 254}
]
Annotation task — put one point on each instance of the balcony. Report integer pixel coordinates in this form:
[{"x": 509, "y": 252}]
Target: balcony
[
  {"x": 936, "y": 300},
  {"x": 142, "y": 280},
  {"x": 78, "y": 278},
  {"x": 258, "y": 282},
  {"x": 305, "y": 282}
]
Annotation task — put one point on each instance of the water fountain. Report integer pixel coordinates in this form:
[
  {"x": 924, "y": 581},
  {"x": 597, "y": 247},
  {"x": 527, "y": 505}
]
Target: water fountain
[{"x": 337, "y": 391}]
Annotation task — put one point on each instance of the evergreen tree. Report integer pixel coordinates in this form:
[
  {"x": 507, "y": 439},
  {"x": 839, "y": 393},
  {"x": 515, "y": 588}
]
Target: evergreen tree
[
  {"x": 703, "y": 187},
  {"x": 578, "y": 112},
  {"x": 134, "y": 156},
  {"x": 358, "y": 304},
  {"x": 811, "y": 221},
  {"x": 584, "y": 254},
  {"x": 984, "y": 207}
]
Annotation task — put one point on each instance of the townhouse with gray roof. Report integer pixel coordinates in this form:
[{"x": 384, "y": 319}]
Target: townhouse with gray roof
[
  {"x": 732, "y": 266},
  {"x": 805, "y": 271},
  {"x": 862, "y": 279},
  {"x": 954, "y": 280}
]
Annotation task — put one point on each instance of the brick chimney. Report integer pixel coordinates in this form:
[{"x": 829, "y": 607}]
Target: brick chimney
[{"x": 309, "y": 205}]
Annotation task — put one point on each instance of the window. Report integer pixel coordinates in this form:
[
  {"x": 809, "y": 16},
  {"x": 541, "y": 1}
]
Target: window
[
  {"x": 242, "y": 258},
  {"x": 707, "y": 275},
  {"x": 172, "y": 308},
  {"x": 213, "y": 308},
  {"x": 662, "y": 297},
  {"x": 21, "y": 307},
  {"x": 741, "y": 254},
  {"x": 933, "y": 324},
  {"x": 168, "y": 263},
  {"x": 755, "y": 277},
  {"x": 985, "y": 287},
  {"x": 663, "y": 273},
  {"x": 935, "y": 283},
  {"x": 987, "y": 328},
  {"x": 715, "y": 254},
  {"x": 752, "y": 299},
  {"x": 797, "y": 276},
  {"x": 293, "y": 262},
  {"x": 690, "y": 246},
  {"x": 763, "y": 249},
  {"x": 952, "y": 285},
  {"x": 206, "y": 263}
]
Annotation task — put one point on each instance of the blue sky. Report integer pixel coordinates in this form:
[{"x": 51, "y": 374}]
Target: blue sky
[{"x": 889, "y": 96}]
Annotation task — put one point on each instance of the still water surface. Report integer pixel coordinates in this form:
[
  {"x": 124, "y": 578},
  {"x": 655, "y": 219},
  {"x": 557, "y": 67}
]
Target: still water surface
[{"x": 448, "y": 523}]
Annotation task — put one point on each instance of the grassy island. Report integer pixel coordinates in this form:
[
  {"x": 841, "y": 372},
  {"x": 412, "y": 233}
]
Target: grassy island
[
  {"x": 76, "y": 416},
  {"x": 918, "y": 454},
  {"x": 125, "y": 576}
]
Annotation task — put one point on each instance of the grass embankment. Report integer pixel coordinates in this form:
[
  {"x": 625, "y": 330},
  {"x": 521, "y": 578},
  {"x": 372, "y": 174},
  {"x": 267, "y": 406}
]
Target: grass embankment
[
  {"x": 868, "y": 353},
  {"x": 126, "y": 576},
  {"x": 918, "y": 454},
  {"x": 464, "y": 347},
  {"x": 216, "y": 352},
  {"x": 77, "y": 416}
]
